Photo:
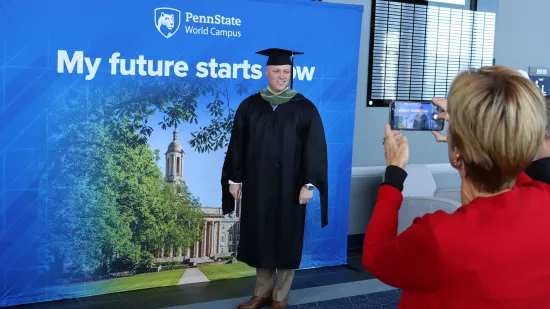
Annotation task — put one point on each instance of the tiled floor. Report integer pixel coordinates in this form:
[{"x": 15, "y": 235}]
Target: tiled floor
[
  {"x": 208, "y": 291},
  {"x": 381, "y": 300}
]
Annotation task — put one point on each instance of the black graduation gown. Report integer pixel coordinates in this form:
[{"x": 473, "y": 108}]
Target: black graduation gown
[
  {"x": 539, "y": 170},
  {"x": 273, "y": 153}
]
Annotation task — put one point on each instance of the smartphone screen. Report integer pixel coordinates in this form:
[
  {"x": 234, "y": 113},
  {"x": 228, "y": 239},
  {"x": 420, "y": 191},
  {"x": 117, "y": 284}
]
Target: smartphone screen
[{"x": 415, "y": 116}]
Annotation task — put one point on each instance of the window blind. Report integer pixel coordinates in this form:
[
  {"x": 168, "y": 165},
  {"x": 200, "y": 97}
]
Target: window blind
[{"x": 416, "y": 50}]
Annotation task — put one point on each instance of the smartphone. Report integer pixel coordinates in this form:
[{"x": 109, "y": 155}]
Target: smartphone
[{"x": 415, "y": 116}]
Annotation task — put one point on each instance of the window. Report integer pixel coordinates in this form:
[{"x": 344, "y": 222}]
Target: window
[
  {"x": 458, "y": 2},
  {"x": 416, "y": 50}
]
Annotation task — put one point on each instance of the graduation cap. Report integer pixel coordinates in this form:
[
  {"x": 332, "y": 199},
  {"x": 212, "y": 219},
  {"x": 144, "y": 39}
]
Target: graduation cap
[{"x": 278, "y": 56}]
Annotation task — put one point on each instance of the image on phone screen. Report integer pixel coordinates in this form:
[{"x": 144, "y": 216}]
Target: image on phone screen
[{"x": 415, "y": 116}]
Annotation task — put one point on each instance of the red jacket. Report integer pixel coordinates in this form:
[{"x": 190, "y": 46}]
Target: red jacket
[{"x": 491, "y": 253}]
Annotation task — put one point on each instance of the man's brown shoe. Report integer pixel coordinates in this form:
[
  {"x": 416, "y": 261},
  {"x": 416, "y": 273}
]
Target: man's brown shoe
[
  {"x": 255, "y": 303},
  {"x": 279, "y": 305}
]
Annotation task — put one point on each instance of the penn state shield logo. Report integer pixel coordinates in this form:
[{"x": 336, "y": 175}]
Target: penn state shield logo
[{"x": 167, "y": 21}]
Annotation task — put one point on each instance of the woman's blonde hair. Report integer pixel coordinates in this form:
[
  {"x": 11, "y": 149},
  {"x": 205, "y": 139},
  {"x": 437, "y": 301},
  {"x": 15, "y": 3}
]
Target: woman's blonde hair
[{"x": 497, "y": 123}]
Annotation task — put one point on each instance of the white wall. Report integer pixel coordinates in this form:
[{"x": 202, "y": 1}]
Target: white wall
[{"x": 523, "y": 36}]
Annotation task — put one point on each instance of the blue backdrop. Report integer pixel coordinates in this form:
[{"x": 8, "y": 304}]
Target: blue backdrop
[{"x": 84, "y": 138}]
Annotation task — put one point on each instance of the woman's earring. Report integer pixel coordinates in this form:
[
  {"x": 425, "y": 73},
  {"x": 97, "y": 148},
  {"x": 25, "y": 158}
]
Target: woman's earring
[{"x": 456, "y": 162}]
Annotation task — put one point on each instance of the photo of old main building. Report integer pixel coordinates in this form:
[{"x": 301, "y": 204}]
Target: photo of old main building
[{"x": 221, "y": 233}]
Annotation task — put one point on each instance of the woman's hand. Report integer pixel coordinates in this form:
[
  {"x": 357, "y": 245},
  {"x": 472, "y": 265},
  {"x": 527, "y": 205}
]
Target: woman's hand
[
  {"x": 441, "y": 103},
  {"x": 396, "y": 148}
]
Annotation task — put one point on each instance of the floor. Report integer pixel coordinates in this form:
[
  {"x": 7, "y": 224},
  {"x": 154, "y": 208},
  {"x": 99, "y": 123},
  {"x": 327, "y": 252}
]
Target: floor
[
  {"x": 333, "y": 283},
  {"x": 364, "y": 294},
  {"x": 381, "y": 300}
]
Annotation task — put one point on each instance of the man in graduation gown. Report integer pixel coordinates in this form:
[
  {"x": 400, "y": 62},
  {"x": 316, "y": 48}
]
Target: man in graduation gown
[{"x": 276, "y": 157}]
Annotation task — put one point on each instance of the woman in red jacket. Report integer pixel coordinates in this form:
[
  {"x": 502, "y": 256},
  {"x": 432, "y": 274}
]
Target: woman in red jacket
[{"x": 494, "y": 251}]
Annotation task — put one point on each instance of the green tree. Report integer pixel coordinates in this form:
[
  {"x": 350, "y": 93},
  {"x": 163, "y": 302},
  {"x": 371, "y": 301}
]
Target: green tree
[
  {"x": 85, "y": 230},
  {"x": 185, "y": 219},
  {"x": 108, "y": 206},
  {"x": 158, "y": 214},
  {"x": 178, "y": 101}
]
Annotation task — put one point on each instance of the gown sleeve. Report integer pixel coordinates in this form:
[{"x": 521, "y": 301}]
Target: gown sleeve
[
  {"x": 234, "y": 160},
  {"x": 315, "y": 166}
]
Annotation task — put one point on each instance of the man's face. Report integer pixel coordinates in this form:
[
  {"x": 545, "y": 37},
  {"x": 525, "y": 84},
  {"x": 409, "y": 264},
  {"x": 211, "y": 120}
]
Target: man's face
[
  {"x": 421, "y": 111},
  {"x": 278, "y": 77}
]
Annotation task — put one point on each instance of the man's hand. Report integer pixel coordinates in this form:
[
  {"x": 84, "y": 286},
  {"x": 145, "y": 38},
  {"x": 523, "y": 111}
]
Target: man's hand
[
  {"x": 236, "y": 191},
  {"x": 305, "y": 196}
]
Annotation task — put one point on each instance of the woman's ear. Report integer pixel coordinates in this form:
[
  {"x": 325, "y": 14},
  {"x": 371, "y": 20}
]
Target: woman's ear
[{"x": 456, "y": 158}]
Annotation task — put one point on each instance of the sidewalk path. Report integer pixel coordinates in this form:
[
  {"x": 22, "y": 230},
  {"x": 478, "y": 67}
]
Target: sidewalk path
[{"x": 193, "y": 275}]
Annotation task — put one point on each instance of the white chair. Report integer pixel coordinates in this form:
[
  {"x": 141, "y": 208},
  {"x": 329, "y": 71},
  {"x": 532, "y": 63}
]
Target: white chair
[
  {"x": 420, "y": 182},
  {"x": 451, "y": 194},
  {"x": 419, "y": 192},
  {"x": 414, "y": 207}
]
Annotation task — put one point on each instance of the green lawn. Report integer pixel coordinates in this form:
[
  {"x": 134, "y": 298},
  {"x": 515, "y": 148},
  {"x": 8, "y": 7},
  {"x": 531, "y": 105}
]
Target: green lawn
[
  {"x": 227, "y": 271},
  {"x": 142, "y": 281}
]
